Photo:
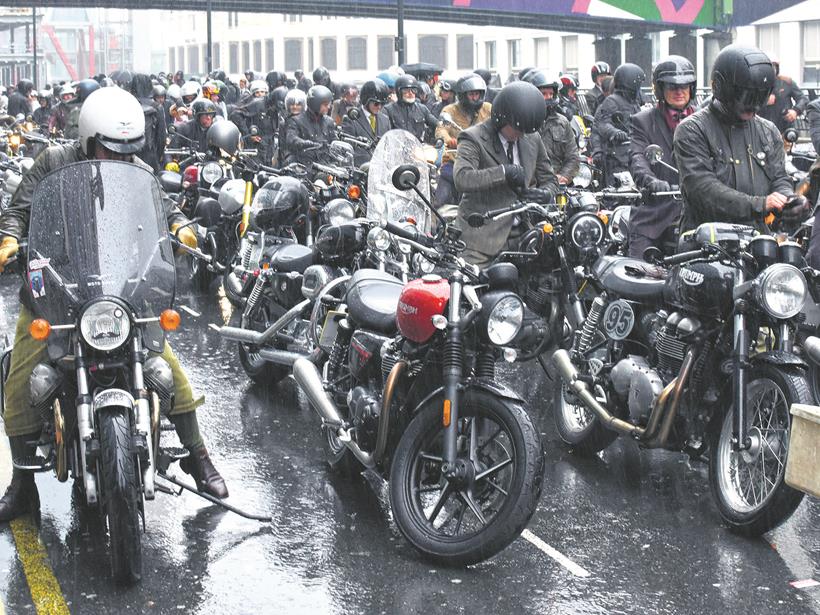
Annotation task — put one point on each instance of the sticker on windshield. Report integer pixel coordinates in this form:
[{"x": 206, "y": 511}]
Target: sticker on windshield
[{"x": 37, "y": 284}]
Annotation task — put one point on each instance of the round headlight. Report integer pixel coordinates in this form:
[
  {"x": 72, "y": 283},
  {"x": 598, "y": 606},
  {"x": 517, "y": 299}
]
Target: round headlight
[
  {"x": 584, "y": 177},
  {"x": 586, "y": 230},
  {"x": 781, "y": 290},
  {"x": 105, "y": 325},
  {"x": 378, "y": 239},
  {"x": 211, "y": 172},
  {"x": 422, "y": 265},
  {"x": 505, "y": 319},
  {"x": 339, "y": 211}
]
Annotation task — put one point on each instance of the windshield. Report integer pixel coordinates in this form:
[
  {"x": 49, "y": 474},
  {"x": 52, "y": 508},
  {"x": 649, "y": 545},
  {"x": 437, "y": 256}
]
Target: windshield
[
  {"x": 98, "y": 228},
  {"x": 384, "y": 201}
]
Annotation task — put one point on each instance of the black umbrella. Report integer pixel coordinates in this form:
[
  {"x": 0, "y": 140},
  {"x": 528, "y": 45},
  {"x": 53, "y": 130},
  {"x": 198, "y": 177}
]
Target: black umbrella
[{"x": 422, "y": 69}]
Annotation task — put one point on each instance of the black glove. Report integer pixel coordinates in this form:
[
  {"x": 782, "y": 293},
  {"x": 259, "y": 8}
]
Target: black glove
[
  {"x": 657, "y": 185},
  {"x": 537, "y": 195},
  {"x": 619, "y": 136},
  {"x": 514, "y": 176},
  {"x": 796, "y": 209}
]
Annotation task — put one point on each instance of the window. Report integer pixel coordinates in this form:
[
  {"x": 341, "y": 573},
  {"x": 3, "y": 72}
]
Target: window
[
  {"x": 257, "y": 55},
  {"x": 570, "y": 44},
  {"x": 181, "y": 58},
  {"x": 542, "y": 52},
  {"x": 768, "y": 38},
  {"x": 433, "y": 49},
  {"x": 357, "y": 53},
  {"x": 204, "y": 56},
  {"x": 464, "y": 52},
  {"x": 514, "y": 53},
  {"x": 269, "y": 54},
  {"x": 246, "y": 56},
  {"x": 385, "y": 52},
  {"x": 216, "y": 55},
  {"x": 293, "y": 55},
  {"x": 233, "y": 58},
  {"x": 327, "y": 53},
  {"x": 193, "y": 59},
  {"x": 171, "y": 61},
  {"x": 233, "y": 19},
  {"x": 811, "y": 52},
  {"x": 490, "y": 57}
]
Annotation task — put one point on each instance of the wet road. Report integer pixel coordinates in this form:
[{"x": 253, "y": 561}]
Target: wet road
[{"x": 642, "y": 524}]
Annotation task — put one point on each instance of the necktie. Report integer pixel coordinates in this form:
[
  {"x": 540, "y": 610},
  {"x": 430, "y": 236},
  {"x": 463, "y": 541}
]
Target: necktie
[
  {"x": 373, "y": 123},
  {"x": 510, "y": 155}
]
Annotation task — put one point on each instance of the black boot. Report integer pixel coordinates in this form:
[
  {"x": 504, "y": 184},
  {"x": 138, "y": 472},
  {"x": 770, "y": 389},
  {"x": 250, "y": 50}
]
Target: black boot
[
  {"x": 21, "y": 496},
  {"x": 199, "y": 465}
]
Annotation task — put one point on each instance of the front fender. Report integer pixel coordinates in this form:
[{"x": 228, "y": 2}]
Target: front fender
[
  {"x": 779, "y": 357},
  {"x": 482, "y": 384}
]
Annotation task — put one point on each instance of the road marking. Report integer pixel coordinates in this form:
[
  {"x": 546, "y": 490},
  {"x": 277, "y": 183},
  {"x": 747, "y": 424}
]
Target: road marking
[
  {"x": 559, "y": 557},
  {"x": 45, "y": 590}
]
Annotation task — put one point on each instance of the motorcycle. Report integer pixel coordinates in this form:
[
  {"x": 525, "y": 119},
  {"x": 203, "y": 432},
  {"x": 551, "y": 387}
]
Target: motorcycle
[
  {"x": 409, "y": 392},
  {"x": 695, "y": 354}
]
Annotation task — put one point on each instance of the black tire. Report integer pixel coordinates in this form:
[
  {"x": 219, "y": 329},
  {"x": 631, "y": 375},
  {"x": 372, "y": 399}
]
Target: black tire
[
  {"x": 339, "y": 458},
  {"x": 784, "y": 386},
  {"x": 201, "y": 276},
  {"x": 237, "y": 300},
  {"x": 586, "y": 439},
  {"x": 517, "y": 440},
  {"x": 814, "y": 382},
  {"x": 121, "y": 497},
  {"x": 257, "y": 369}
]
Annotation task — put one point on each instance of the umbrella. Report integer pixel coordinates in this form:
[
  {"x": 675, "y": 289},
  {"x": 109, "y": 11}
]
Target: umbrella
[{"x": 422, "y": 69}]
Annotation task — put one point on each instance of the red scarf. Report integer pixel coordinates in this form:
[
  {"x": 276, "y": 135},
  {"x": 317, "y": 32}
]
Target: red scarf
[{"x": 674, "y": 117}]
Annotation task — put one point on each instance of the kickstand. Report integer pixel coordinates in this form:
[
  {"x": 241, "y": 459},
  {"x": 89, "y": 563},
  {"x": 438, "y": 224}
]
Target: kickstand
[{"x": 213, "y": 500}]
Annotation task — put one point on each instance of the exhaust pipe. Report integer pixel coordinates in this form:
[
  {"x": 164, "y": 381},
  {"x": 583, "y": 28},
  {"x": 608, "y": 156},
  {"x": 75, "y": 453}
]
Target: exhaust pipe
[
  {"x": 812, "y": 346},
  {"x": 308, "y": 378},
  {"x": 257, "y": 338},
  {"x": 281, "y": 357},
  {"x": 569, "y": 374}
]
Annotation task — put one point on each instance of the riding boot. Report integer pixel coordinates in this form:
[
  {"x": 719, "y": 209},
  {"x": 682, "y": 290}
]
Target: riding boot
[
  {"x": 199, "y": 465},
  {"x": 21, "y": 497}
]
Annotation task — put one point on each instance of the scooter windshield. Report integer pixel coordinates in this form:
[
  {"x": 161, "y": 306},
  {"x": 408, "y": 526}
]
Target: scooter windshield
[{"x": 98, "y": 228}]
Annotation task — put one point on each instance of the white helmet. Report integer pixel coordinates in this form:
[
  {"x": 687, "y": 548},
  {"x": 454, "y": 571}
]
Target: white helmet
[
  {"x": 295, "y": 97},
  {"x": 190, "y": 88},
  {"x": 259, "y": 85},
  {"x": 174, "y": 92},
  {"x": 113, "y": 117}
]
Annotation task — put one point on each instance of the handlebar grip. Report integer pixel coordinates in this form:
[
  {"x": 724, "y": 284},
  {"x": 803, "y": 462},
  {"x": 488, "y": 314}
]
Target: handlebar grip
[
  {"x": 409, "y": 234},
  {"x": 683, "y": 257}
]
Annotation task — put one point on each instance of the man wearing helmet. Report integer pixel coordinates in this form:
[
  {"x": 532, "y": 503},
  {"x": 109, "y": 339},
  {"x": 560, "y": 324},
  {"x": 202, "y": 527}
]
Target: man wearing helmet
[
  {"x": 569, "y": 96},
  {"x": 193, "y": 133},
  {"x": 409, "y": 114},
  {"x": 556, "y": 131},
  {"x": 731, "y": 161},
  {"x": 188, "y": 93},
  {"x": 294, "y": 105},
  {"x": 111, "y": 128},
  {"x": 372, "y": 123},
  {"x": 258, "y": 121},
  {"x": 156, "y": 131},
  {"x": 613, "y": 121},
  {"x": 20, "y": 100},
  {"x": 471, "y": 109},
  {"x": 654, "y": 223},
  {"x": 786, "y": 102},
  {"x": 348, "y": 99},
  {"x": 306, "y": 134},
  {"x": 446, "y": 96},
  {"x": 42, "y": 114},
  {"x": 67, "y": 101},
  {"x": 497, "y": 159},
  {"x": 594, "y": 97}
]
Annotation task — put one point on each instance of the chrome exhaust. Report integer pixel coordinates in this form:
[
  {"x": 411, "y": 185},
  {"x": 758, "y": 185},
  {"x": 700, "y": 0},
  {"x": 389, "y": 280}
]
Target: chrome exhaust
[
  {"x": 281, "y": 357},
  {"x": 257, "y": 338},
  {"x": 307, "y": 376}
]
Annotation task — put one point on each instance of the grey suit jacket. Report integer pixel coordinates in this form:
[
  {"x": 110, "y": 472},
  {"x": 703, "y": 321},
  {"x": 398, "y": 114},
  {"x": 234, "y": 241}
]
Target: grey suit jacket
[
  {"x": 361, "y": 128},
  {"x": 479, "y": 175}
]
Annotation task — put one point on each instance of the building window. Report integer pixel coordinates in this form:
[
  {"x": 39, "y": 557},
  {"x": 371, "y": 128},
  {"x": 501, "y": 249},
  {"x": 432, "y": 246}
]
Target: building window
[
  {"x": 490, "y": 55},
  {"x": 768, "y": 38},
  {"x": 542, "y": 52},
  {"x": 433, "y": 49},
  {"x": 385, "y": 52},
  {"x": 357, "y": 53},
  {"x": 233, "y": 58},
  {"x": 464, "y": 52},
  {"x": 811, "y": 52},
  {"x": 204, "y": 55},
  {"x": 269, "y": 54},
  {"x": 327, "y": 53},
  {"x": 514, "y": 53},
  {"x": 257, "y": 55},
  {"x": 293, "y": 55},
  {"x": 216, "y": 55},
  {"x": 181, "y": 58},
  {"x": 246, "y": 56},
  {"x": 172, "y": 60},
  {"x": 193, "y": 59},
  {"x": 570, "y": 44}
]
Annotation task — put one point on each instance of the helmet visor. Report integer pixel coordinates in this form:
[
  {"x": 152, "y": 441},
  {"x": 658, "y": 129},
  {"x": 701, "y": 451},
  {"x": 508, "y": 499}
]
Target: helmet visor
[{"x": 751, "y": 99}]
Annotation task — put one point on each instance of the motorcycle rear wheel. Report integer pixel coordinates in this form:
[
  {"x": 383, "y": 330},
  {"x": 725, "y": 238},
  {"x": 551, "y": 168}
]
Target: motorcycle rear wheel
[
  {"x": 502, "y": 451},
  {"x": 258, "y": 369},
  {"x": 578, "y": 426},
  {"x": 121, "y": 495}
]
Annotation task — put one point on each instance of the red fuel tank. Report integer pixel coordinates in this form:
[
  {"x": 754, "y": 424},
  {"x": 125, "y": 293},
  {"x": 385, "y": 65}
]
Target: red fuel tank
[{"x": 419, "y": 301}]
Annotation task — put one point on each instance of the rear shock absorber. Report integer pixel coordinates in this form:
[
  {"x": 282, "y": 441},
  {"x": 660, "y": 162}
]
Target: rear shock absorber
[
  {"x": 584, "y": 339},
  {"x": 339, "y": 351},
  {"x": 256, "y": 291}
]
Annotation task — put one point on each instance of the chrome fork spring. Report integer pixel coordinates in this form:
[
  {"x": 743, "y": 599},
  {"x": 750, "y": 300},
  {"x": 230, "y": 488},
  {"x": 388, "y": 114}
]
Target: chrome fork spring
[
  {"x": 247, "y": 248},
  {"x": 256, "y": 292},
  {"x": 584, "y": 340}
]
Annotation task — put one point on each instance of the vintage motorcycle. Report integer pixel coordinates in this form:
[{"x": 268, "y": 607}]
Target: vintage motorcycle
[{"x": 696, "y": 353}]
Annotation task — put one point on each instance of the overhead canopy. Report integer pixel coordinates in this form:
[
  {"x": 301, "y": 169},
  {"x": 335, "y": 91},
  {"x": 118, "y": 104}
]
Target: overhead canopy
[{"x": 603, "y": 17}]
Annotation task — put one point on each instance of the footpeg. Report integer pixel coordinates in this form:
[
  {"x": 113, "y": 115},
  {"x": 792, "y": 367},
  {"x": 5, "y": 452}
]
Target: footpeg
[
  {"x": 33, "y": 464},
  {"x": 175, "y": 453}
]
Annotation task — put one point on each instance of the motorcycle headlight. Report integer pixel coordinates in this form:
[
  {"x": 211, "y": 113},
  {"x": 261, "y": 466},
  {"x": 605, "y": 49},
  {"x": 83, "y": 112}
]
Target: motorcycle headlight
[
  {"x": 504, "y": 320},
  {"x": 378, "y": 239},
  {"x": 422, "y": 265},
  {"x": 339, "y": 211},
  {"x": 105, "y": 325},
  {"x": 584, "y": 177},
  {"x": 781, "y": 290},
  {"x": 211, "y": 172},
  {"x": 586, "y": 230}
]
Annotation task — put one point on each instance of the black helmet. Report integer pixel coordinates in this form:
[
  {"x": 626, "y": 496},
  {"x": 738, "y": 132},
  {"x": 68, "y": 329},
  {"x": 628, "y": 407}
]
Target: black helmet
[
  {"x": 274, "y": 79},
  {"x": 675, "y": 70},
  {"x": 424, "y": 91},
  {"x": 406, "y": 82},
  {"x": 159, "y": 91},
  {"x": 224, "y": 135},
  {"x": 277, "y": 97},
  {"x": 317, "y": 96},
  {"x": 522, "y": 74},
  {"x": 520, "y": 105},
  {"x": 486, "y": 75},
  {"x": 321, "y": 76},
  {"x": 280, "y": 202},
  {"x": 628, "y": 80},
  {"x": 220, "y": 75},
  {"x": 598, "y": 69},
  {"x": 203, "y": 106},
  {"x": 448, "y": 85},
  {"x": 375, "y": 90},
  {"x": 543, "y": 80},
  {"x": 84, "y": 89},
  {"x": 742, "y": 79},
  {"x": 25, "y": 86},
  {"x": 470, "y": 83},
  {"x": 305, "y": 84}
]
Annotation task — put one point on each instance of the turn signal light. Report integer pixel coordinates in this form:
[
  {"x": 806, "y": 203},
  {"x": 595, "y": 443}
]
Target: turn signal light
[
  {"x": 354, "y": 192},
  {"x": 547, "y": 228},
  {"x": 169, "y": 320},
  {"x": 446, "y": 415},
  {"x": 39, "y": 329},
  {"x": 604, "y": 218}
]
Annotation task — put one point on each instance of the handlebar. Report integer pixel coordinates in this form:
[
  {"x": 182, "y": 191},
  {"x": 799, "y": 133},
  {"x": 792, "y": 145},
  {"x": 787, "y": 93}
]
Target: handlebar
[
  {"x": 408, "y": 233},
  {"x": 683, "y": 257}
]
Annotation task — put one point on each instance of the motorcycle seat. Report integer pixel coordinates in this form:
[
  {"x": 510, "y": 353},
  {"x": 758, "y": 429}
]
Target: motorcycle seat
[
  {"x": 630, "y": 278},
  {"x": 293, "y": 257},
  {"x": 372, "y": 300}
]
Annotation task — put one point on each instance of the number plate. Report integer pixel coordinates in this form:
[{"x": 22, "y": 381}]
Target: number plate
[
  {"x": 329, "y": 330},
  {"x": 618, "y": 320}
]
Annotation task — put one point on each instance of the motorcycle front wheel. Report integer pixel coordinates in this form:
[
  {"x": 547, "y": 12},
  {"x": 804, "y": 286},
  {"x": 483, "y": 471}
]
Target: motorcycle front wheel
[
  {"x": 121, "y": 497},
  {"x": 461, "y": 522},
  {"x": 749, "y": 486}
]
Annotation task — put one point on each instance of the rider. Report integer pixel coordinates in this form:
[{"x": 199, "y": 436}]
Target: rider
[
  {"x": 295, "y": 105},
  {"x": 255, "y": 112},
  {"x": 193, "y": 133},
  {"x": 155, "y": 129},
  {"x": 348, "y": 100},
  {"x": 471, "y": 109},
  {"x": 111, "y": 128},
  {"x": 308, "y": 133},
  {"x": 496, "y": 159},
  {"x": 372, "y": 122},
  {"x": 83, "y": 90},
  {"x": 594, "y": 97},
  {"x": 786, "y": 102},
  {"x": 409, "y": 114},
  {"x": 569, "y": 96},
  {"x": 42, "y": 114},
  {"x": 446, "y": 95},
  {"x": 556, "y": 131},
  {"x": 731, "y": 162},
  {"x": 20, "y": 100},
  {"x": 654, "y": 222},
  {"x": 59, "y": 118}
]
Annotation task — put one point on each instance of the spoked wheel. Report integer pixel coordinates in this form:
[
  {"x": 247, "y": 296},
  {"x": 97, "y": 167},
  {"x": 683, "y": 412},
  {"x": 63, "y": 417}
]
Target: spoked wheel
[
  {"x": 258, "y": 369},
  {"x": 749, "y": 486},
  {"x": 577, "y": 425},
  {"x": 469, "y": 519},
  {"x": 121, "y": 497}
]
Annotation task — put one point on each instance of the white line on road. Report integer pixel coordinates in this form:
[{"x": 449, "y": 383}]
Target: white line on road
[{"x": 559, "y": 557}]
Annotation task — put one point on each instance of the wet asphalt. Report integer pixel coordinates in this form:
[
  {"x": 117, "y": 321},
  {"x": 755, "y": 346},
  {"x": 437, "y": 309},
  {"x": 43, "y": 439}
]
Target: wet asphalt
[{"x": 642, "y": 523}]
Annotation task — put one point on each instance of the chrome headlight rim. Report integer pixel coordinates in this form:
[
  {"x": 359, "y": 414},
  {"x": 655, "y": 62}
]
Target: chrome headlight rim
[
  {"x": 497, "y": 329},
  {"x": 340, "y": 211},
  {"x": 583, "y": 179},
  {"x": 766, "y": 291},
  {"x": 422, "y": 264},
  {"x": 379, "y": 239},
  {"x": 574, "y": 225},
  {"x": 211, "y": 173},
  {"x": 111, "y": 309}
]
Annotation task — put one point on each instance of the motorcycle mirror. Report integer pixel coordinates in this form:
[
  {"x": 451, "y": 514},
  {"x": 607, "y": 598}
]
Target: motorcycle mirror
[
  {"x": 353, "y": 113},
  {"x": 475, "y": 220},
  {"x": 653, "y": 255},
  {"x": 406, "y": 177},
  {"x": 790, "y": 135},
  {"x": 653, "y": 153}
]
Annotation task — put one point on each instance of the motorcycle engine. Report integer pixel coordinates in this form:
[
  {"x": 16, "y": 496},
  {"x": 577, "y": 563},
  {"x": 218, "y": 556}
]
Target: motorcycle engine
[{"x": 364, "y": 412}]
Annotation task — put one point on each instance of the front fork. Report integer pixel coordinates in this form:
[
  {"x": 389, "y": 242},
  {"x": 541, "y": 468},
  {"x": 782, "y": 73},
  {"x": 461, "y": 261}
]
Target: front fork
[
  {"x": 740, "y": 436},
  {"x": 453, "y": 365},
  {"x": 142, "y": 418}
]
